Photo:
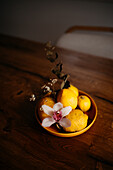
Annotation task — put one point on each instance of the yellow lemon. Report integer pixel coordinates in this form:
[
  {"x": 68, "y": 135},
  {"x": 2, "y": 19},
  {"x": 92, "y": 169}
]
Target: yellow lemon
[
  {"x": 78, "y": 120},
  {"x": 44, "y": 101},
  {"x": 74, "y": 89},
  {"x": 67, "y": 98},
  {"x": 84, "y": 103}
]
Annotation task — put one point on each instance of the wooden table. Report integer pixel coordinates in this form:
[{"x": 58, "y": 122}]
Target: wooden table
[{"x": 24, "y": 144}]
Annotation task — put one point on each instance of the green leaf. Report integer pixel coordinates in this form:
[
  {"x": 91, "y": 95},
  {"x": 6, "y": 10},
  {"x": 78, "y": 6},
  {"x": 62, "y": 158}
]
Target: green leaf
[
  {"x": 65, "y": 83},
  {"x": 48, "y": 44},
  {"x": 49, "y": 53},
  {"x": 56, "y": 55}
]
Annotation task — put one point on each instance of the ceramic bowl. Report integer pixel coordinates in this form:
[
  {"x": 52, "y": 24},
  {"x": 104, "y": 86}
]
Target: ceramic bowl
[{"x": 92, "y": 114}]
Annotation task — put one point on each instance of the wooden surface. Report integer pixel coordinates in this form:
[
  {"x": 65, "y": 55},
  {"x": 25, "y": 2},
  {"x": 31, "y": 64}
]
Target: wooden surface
[
  {"x": 24, "y": 144},
  {"x": 89, "y": 28}
]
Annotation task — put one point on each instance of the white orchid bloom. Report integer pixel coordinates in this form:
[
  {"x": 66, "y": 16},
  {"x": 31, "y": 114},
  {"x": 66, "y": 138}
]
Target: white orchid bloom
[{"x": 57, "y": 115}]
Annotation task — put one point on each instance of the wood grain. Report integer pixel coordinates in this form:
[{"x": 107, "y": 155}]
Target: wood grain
[{"x": 23, "y": 143}]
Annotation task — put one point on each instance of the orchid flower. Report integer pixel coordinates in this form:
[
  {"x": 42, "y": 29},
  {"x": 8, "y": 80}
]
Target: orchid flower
[{"x": 56, "y": 115}]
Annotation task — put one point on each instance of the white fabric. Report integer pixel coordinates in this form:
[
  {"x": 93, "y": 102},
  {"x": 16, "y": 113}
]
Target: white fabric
[{"x": 90, "y": 43}]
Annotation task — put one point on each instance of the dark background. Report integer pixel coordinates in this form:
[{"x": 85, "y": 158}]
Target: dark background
[{"x": 43, "y": 20}]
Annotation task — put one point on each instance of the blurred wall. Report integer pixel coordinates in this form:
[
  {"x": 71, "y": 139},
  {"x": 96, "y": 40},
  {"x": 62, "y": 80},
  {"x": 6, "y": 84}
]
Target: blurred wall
[{"x": 43, "y": 20}]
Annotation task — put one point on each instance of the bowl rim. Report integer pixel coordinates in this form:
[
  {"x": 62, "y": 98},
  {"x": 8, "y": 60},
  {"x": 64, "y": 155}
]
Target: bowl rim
[{"x": 70, "y": 134}]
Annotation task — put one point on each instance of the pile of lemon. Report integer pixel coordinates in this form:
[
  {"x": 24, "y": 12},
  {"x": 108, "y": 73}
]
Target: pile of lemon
[{"x": 79, "y": 103}]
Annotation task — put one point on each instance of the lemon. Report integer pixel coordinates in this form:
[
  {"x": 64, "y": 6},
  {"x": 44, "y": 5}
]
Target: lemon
[
  {"x": 84, "y": 103},
  {"x": 74, "y": 89},
  {"x": 78, "y": 120},
  {"x": 44, "y": 101},
  {"x": 67, "y": 98}
]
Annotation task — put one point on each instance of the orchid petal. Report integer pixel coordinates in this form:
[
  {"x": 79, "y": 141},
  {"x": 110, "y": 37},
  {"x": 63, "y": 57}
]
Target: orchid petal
[
  {"x": 47, "y": 122},
  {"x": 65, "y": 122},
  {"x": 48, "y": 110},
  {"x": 65, "y": 111},
  {"x": 58, "y": 106}
]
